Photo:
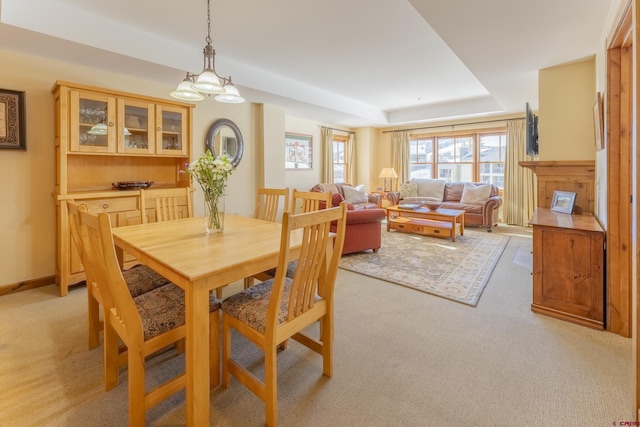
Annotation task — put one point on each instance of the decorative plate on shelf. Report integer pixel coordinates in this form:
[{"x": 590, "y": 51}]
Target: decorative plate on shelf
[{"x": 132, "y": 185}]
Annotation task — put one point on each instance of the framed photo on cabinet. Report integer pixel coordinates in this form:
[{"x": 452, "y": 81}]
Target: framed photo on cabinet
[
  {"x": 563, "y": 201},
  {"x": 12, "y": 120},
  {"x": 298, "y": 151}
]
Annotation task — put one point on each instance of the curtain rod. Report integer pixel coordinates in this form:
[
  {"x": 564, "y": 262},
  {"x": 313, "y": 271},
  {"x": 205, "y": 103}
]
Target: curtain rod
[
  {"x": 345, "y": 131},
  {"x": 454, "y": 125}
]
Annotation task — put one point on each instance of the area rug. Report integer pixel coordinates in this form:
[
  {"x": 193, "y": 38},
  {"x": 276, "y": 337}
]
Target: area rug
[{"x": 458, "y": 271}]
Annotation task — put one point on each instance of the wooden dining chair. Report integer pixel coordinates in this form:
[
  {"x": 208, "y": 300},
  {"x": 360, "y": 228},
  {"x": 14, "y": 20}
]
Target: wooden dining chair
[
  {"x": 271, "y": 312},
  {"x": 267, "y": 208},
  {"x": 145, "y": 324},
  {"x": 165, "y": 204},
  {"x": 309, "y": 201},
  {"x": 268, "y": 203},
  {"x": 139, "y": 279}
]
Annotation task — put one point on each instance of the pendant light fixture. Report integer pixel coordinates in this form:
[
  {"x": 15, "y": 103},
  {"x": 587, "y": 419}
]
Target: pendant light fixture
[{"x": 208, "y": 81}]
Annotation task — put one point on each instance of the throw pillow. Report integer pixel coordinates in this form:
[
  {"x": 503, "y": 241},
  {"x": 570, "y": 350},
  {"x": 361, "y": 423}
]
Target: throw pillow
[
  {"x": 431, "y": 188},
  {"x": 475, "y": 194},
  {"x": 408, "y": 189},
  {"x": 355, "y": 194},
  {"x": 336, "y": 199}
]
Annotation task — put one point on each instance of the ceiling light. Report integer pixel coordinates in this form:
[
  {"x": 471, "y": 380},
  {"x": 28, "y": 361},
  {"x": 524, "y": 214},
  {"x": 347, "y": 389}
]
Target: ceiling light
[{"x": 208, "y": 81}]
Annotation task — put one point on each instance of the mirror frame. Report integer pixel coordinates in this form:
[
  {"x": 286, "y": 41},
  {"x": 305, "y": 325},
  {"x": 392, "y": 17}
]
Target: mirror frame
[{"x": 211, "y": 136}]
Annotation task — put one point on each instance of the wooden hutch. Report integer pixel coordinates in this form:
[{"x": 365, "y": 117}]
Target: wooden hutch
[{"x": 138, "y": 139}]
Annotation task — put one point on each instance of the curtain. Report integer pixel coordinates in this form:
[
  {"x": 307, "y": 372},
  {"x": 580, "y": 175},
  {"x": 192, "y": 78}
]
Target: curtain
[
  {"x": 326, "y": 135},
  {"x": 353, "y": 173},
  {"x": 400, "y": 155},
  {"x": 519, "y": 183}
]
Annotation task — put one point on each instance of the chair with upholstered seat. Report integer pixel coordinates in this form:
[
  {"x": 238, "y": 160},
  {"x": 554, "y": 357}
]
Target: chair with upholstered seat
[
  {"x": 271, "y": 312},
  {"x": 267, "y": 208},
  {"x": 165, "y": 204},
  {"x": 309, "y": 201},
  {"x": 145, "y": 324},
  {"x": 139, "y": 279}
]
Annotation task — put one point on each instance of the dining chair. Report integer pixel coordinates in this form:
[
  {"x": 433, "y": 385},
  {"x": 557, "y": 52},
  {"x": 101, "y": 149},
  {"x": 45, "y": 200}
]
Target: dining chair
[
  {"x": 145, "y": 324},
  {"x": 268, "y": 202},
  {"x": 309, "y": 201},
  {"x": 271, "y": 312},
  {"x": 267, "y": 207},
  {"x": 139, "y": 279},
  {"x": 165, "y": 204}
]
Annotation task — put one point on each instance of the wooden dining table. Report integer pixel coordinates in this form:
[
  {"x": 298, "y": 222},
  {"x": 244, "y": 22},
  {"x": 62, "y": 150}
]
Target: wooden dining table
[{"x": 197, "y": 262}]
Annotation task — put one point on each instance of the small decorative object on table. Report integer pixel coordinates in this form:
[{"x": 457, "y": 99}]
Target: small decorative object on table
[
  {"x": 212, "y": 174},
  {"x": 433, "y": 206}
]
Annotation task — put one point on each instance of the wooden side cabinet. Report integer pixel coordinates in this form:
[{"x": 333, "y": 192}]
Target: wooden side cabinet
[
  {"x": 568, "y": 267},
  {"x": 142, "y": 139}
]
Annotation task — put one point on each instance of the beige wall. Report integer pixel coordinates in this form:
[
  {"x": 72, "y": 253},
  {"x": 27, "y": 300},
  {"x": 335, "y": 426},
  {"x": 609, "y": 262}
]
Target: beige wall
[
  {"x": 27, "y": 220},
  {"x": 566, "y": 95}
]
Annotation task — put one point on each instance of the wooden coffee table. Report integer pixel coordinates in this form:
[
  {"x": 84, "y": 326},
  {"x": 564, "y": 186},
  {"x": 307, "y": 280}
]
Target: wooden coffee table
[{"x": 439, "y": 223}]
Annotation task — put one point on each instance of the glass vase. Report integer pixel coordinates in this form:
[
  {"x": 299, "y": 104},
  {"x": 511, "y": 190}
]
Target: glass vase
[{"x": 214, "y": 214}]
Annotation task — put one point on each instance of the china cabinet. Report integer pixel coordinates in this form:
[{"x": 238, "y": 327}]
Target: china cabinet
[{"x": 105, "y": 137}]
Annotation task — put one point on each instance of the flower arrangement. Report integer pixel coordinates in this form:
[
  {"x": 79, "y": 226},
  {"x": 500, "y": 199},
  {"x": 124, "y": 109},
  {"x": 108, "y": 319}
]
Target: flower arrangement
[{"x": 212, "y": 175}]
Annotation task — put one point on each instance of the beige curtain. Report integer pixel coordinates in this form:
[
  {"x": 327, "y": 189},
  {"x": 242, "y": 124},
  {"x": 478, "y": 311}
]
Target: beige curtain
[
  {"x": 353, "y": 173},
  {"x": 326, "y": 135},
  {"x": 519, "y": 183},
  {"x": 400, "y": 155}
]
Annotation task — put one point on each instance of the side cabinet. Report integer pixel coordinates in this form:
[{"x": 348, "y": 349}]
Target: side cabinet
[{"x": 568, "y": 267}]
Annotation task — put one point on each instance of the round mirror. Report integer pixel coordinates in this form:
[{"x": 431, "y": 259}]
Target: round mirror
[{"x": 224, "y": 136}]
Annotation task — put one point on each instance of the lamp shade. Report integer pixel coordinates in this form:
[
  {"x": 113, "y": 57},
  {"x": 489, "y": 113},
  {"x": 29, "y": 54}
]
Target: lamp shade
[{"x": 388, "y": 173}]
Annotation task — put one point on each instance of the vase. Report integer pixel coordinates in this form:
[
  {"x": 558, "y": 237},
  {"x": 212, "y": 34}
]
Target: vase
[{"x": 214, "y": 214}]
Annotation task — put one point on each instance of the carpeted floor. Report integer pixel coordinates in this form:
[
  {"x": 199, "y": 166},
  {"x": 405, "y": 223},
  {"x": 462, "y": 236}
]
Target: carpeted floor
[
  {"x": 457, "y": 271},
  {"x": 402, "y": 358}
]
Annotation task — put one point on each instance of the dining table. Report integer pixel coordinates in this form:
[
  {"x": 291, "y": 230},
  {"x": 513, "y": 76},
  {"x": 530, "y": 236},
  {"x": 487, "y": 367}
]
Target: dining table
[{"x": 198, "y": 262}]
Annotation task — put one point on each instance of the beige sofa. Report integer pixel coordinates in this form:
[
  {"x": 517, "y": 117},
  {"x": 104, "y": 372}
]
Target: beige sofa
[{"x": 479, "y": 201}]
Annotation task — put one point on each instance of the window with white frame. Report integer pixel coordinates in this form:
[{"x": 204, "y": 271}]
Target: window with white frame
[
  {"x": 341, "y": 160},
  {"x": 459, "y": 157}
]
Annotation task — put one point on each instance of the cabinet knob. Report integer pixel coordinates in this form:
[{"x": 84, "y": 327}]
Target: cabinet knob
[
  {"x": 105, "y": 206},
  {"x": 158, "y": 128},
  {"x": 111, "y": 124}
]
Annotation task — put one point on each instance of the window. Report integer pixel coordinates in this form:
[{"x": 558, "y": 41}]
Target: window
[
  {"x": 341, "y": 161},
  {"x": 468, "y": 157}
]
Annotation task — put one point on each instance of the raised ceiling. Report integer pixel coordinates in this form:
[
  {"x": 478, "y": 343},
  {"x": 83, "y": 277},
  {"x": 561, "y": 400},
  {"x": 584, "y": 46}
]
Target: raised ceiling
[{"x": 353, "y": 63}]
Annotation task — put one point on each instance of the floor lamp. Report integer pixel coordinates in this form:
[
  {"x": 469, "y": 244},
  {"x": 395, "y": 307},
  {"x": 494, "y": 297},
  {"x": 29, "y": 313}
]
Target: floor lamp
[{"x": 388, "y": 174}]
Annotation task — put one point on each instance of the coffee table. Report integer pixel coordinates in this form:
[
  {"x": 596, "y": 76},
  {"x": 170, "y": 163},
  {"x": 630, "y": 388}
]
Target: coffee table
[{"x": 439, "y": 223}]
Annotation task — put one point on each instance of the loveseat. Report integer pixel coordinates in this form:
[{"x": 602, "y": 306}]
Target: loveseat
[
  {"x": 479, "y": 201},
  {"x": 364, "y": 216}
]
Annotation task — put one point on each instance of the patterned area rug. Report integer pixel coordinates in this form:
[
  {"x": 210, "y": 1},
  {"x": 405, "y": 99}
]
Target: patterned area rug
[{"x": 458, "y": 270}]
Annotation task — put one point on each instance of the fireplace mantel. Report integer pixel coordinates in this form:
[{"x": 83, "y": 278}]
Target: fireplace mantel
[{"x": 577, "y": 176}]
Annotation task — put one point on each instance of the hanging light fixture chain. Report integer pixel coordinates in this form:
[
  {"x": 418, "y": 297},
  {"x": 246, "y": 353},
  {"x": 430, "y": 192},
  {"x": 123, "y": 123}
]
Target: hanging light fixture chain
[{"x": 208, "y": 39}]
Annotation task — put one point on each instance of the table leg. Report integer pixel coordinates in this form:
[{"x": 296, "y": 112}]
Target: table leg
[
  {"x": 462, "y": 225},
  {"x": 197, "y": 356},
  {"x": 453, "y": 229}
]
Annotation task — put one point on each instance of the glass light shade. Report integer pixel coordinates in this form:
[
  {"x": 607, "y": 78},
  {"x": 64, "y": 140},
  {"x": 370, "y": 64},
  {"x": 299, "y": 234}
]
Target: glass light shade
[
  {"x": 185, "y": 92},
  {"x": 207, "y": 82},
  {"x": 98, "y": 129},
  {"x": 230, "y": 95}
]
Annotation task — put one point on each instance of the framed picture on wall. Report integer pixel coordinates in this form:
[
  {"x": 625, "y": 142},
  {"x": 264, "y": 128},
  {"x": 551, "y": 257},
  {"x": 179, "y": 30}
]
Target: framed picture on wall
[
  {"x": 12, "y": 120},
  {"x": 598, "y": 121},
  {"x": 298, "y": 151},
  {"x": 563, "y": 201}
]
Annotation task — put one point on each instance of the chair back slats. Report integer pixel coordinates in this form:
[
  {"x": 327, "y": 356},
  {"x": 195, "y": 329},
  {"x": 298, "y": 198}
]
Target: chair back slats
[
  {"x": 309, "y": 201},
  {"x": 167, "y": 203},
  {"x": 318, "y": 262},
  {"x": 103, "y": 262},
  {"x": 268, "y": 203}
]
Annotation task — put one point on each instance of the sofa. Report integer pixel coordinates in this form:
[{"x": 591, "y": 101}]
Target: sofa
[
  {"x": 364, "y": 216},
  {"x": 479, "y": 201}
]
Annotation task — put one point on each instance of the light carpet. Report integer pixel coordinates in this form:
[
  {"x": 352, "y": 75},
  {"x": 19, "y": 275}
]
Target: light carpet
[{"x": 458, "y": 271}]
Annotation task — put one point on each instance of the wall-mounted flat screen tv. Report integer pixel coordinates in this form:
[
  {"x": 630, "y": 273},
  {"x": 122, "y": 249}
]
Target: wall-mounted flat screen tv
[{"x": 531, "y": 132}]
